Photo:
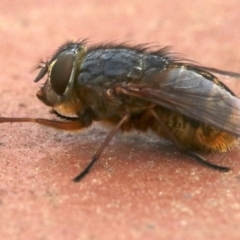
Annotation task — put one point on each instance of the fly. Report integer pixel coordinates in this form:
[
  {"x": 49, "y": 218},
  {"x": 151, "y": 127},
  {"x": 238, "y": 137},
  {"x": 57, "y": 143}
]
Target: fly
[{"x": 136, "y": 88}]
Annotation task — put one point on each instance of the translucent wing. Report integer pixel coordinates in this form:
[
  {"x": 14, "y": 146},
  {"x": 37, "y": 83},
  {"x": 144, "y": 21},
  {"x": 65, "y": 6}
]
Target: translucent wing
[{"x": 193, "y": 93}]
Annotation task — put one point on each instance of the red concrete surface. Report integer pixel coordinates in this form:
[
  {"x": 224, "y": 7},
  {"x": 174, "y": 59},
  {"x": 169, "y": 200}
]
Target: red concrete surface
[{"x": 142, "y": 188}]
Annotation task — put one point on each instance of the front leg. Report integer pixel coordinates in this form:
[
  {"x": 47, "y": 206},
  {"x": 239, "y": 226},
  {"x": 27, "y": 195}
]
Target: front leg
[{"x": 73, "y": 125}]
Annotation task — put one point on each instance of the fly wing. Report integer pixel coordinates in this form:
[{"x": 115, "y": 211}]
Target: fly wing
[
  {"x": 221, "y": 72},
  {"x": 193, "y": 94}
]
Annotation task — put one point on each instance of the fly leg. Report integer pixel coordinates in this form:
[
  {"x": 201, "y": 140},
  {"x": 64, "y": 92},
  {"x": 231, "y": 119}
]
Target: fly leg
[
  {"x": 74, "y": 125},
  {"x": 184, "y": 149},
  {"x": 100, "y": 149}
]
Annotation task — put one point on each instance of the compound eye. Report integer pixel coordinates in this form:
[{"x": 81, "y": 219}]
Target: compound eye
[{"x": 61, "y": 72}]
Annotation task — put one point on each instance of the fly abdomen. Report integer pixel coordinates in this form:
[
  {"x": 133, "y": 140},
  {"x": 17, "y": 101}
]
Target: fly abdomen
[{"x": 193, "y": 134}]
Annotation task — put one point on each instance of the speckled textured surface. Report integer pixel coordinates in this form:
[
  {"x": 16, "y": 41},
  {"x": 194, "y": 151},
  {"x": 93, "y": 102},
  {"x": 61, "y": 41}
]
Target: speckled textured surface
[{"x": 142, "y": 188}]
